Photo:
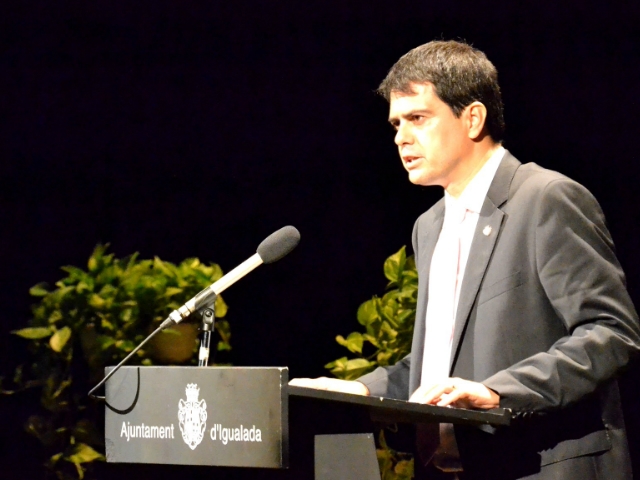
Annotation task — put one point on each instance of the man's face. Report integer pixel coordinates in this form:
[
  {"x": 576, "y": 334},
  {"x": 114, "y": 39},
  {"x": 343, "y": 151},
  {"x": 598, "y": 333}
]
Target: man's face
[{"x": 432, "y": 142}]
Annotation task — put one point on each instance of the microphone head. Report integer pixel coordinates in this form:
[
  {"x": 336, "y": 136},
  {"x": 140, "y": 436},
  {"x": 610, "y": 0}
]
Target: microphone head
[{"x": 279, "y": 244}]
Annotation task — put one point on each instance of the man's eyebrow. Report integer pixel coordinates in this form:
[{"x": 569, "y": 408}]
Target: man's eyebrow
[{"x": 419, "y": 111}]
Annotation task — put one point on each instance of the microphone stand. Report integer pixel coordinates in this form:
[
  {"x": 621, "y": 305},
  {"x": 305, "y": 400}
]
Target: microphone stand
[
  {"x": 208, "y": 321},
  {"x": 272, "y": 248}
]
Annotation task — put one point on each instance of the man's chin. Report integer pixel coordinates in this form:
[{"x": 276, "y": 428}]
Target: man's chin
[{"x": 418, "y": 178}]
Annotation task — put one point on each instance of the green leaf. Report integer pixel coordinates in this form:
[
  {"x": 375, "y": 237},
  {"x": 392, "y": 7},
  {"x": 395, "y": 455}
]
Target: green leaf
[
  {"x": 61, "y": 294},
  {"x": 351, "y": 369},
  {"x": 388, "y": 330},
  {"x": 83, "y": 453},
  {"x": 368, "y": 312},
  {"x": 389, "y": 311},
  {"x": 108, "y": 291},
  {"x": 165, "y": 267},
  {"x": 223, "y": 329},
  {"x": 353, "y": 342},
  {"x": 171, "y": 291},
  {"x": 96, "y": 301},
  {"x": 383, "y": 358},
  {"x": 33, "y": 333},
  {"x": 220, "y": 307},
  {"x": 215, "y": 272},
  {"x": 107, "y": 325},
  {"x": 404, "y": 315},
  {"x": 38, "y": 290},
  {"x": 339, "y": 363},
  {"x": 394, "y": 265},
  {"x": 104, "y": 341},
  {"x": 371, "y": 339},
  {"x": 55, "y": 317},
  {"x": 74, "y": 272},
  {"x": 127, "y": 345},
  {"x": 404, "y": 469},
  {"x": 60, "y": 339},
  {"x": 92, "y": 264},
  {"x": 357, "y": 363},
  {"x": 125, "y": 316},
  {"x": 61, "y": 387}
]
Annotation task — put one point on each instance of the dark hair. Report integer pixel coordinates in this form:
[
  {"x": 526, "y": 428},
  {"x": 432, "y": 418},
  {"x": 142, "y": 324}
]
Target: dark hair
[{"x": 460, "y": 74}]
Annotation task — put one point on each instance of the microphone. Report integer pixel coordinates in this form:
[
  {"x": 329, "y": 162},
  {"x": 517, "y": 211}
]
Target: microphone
[{"x": 273, "y": 248}]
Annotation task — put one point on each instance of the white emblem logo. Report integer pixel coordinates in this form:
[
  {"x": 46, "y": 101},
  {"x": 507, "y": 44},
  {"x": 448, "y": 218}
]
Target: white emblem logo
[{"x": 192, "y": 416}]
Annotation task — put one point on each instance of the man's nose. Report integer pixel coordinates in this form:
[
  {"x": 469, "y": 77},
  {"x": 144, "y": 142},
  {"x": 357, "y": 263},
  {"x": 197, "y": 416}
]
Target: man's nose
[{"x": 403, "y": 135}]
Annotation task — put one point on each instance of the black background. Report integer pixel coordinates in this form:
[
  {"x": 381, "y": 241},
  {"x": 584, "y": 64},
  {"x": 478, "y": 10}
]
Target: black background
[{"x": 192, "y": 128}]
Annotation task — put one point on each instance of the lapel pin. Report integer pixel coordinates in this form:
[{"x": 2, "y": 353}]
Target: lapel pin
[{"x": 487, "y": 230}]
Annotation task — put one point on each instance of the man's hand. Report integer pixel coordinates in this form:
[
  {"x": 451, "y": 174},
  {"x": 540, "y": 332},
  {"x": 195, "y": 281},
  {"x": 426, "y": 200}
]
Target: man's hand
[
  {"x": 458, "y": 393},
  {"x": 332, "y": 384}
]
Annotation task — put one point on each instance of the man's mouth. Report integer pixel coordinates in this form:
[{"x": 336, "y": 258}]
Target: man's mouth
[{"x": 410, "y": 160}]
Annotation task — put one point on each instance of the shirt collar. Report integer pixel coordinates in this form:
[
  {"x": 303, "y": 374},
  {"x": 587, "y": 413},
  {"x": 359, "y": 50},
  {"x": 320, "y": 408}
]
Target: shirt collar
[{"x": 473, "y": 195}]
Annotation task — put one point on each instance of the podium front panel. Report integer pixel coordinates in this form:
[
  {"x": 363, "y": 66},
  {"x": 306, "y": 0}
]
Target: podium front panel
[{"x": 224, "y": 416}]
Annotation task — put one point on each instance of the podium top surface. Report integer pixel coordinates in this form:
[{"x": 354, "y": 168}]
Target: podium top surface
[{"x": 392, "y": 410}]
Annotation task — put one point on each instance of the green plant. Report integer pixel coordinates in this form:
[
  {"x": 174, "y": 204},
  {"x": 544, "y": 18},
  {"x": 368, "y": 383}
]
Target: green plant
[
  {"x": 92, "y": 319},
  {"x": 393, "y": 465},
  {"x": 388, "y": 322}
]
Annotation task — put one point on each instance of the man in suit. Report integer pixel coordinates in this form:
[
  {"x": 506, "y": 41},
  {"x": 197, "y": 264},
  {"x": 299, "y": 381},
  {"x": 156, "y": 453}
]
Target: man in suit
[{"x": 522, "y": 303}]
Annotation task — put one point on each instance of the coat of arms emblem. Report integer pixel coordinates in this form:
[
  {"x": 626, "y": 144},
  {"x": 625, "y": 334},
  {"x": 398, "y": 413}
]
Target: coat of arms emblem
[{"x": 192, "y": 415}]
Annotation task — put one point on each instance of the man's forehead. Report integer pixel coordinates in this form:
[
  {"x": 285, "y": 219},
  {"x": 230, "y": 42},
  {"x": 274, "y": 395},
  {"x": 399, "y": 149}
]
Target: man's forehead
[
  {"x": 402, "y": 103},
  {"x": 411, "y": 90}
]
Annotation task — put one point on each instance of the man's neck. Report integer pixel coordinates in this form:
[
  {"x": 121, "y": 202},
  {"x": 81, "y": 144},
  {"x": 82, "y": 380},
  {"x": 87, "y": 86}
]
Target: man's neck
[{"x": 470, "y": 168}]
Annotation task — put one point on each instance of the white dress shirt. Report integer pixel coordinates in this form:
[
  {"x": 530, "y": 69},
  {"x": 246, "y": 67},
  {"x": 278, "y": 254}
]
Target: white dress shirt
[{"x": 445, "y": 279}]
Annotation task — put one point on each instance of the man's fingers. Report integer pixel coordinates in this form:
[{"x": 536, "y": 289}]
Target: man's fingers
[
  {"x": 320, "y": 383},
  {"x": 457, "y": 392},
  {"x": 431, "y": 394},
  {"x": 304, "y": 382},
  {"x": 332, "y": 384},
  {"x": 422, "y": 393},
  {"x": 453, "y": 398}
]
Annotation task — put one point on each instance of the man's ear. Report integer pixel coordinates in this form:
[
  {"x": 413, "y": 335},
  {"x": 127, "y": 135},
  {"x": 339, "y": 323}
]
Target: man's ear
[{"x": 476, "y": 114}]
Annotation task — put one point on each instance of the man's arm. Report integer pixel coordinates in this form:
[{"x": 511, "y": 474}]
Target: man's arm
[
  {"x": 582, "y": 279},
  {"x": 332, "y": 384},
  {"x": 389, "y": 381},
  {"x": 581, "y": 276}
]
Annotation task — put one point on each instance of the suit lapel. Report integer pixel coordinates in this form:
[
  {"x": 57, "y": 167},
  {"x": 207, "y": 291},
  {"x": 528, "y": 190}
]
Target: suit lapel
[
  {"x": 482, "y": 247},
  {"x": 428, "y": 244},
  {"x": 427, "y": 238}
]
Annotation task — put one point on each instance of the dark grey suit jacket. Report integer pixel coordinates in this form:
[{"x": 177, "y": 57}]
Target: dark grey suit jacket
[{"x": 544, "y": 319}]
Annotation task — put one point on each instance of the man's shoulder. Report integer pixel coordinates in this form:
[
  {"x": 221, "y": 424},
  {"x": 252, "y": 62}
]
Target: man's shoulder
[
  {"x": 532, "y": 180},
  {"x": 537, "y": 175},
  {"x": 527, "y": 184}
]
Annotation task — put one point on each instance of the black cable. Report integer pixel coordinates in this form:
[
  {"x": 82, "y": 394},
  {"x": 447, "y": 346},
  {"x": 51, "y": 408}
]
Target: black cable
[{"x": 168, "y": 322}]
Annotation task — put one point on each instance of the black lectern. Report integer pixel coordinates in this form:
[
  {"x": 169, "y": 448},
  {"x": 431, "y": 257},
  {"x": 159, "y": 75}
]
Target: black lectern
[
  {"x": 250, "y": 417},
  {"x": 197, "y": 416}
]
